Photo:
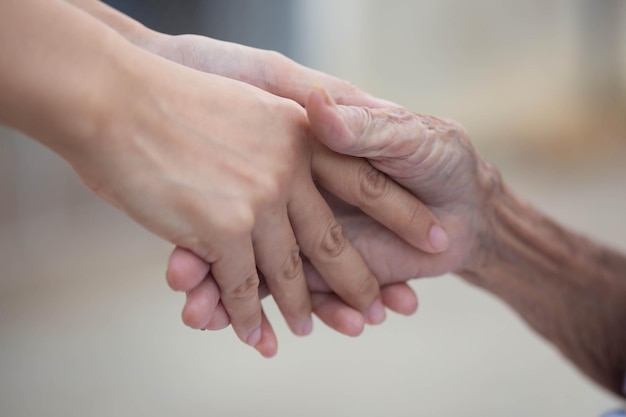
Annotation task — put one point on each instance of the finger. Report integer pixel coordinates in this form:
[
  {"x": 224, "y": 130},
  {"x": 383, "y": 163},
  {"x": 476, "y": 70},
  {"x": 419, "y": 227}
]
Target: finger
[
  {"x": 278, "y": 259},
  {"x": 185, "y": 270},
  {"x": 236, "y": 275},
  {"x": 219, "y": 318},
  {"x": 333, "y": 311},
  {"x": 200, "y": 304},
  {"x": 337, "y": 315},
  {"x": 358, "y": 183},
  {"x": 268, "y": 345},
  {"x": 361, "y": 131},
  {"x": 292, "y": 80},
  {"x": 323, "y": 242},
  {"x": 399, "y": 298}
]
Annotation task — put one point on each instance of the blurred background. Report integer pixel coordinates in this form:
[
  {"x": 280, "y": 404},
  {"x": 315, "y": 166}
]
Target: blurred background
[{"x": 89, "y": 327}]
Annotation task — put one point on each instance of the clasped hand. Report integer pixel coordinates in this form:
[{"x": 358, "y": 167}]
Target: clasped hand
[
  {"x": 225, "y": 170},
  {"x": 396, "y": 235}
]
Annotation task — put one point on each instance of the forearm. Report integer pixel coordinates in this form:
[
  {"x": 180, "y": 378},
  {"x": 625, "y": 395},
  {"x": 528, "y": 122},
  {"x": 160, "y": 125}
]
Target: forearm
[
  {"x": 568, "y": 288},
  {"x": 126, "y": 26},
  {"x": 59, "y": 73}
]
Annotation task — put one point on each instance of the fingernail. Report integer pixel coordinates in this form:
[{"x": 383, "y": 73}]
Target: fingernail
[
  {"x": 254, "y": 338},
  {"x": 438, "y": 238},
  {"x": 306, "y": 327},
  {"x": 329, "y": 100},
  {"x": 375, "y": 314}
]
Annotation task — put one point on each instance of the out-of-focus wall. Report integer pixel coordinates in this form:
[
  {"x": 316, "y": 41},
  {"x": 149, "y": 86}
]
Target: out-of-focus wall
[{"x": 544, "y": 75}]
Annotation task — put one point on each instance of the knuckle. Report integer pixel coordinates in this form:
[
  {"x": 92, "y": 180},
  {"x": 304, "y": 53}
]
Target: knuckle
[
  {"x": 272, "y": 67},
  {"x": 191, "y": 318},
  {"x": 269, "y": 188},
  {"x": 334, "y": 242},
  {"x": 292, "y": 267},
  {"x": 361, "y": 291},
  {"x": 454, "y": 129},
  {"x": 247, "y": 290},
  {"x": 373, "y": 184},
  {"x": 367, "y": 285},
  {"x": 368, "y": 123},
  {"x": 237, "y": 220}
]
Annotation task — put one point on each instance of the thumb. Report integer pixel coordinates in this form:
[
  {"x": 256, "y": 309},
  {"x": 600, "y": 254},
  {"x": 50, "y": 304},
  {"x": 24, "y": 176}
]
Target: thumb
[{"x": 375, "y": 134}]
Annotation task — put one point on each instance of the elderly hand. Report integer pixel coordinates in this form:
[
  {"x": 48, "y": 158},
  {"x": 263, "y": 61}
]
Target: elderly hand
[
  {"x": 265, "y": 69},
  {"x": 431, "y": 157}
]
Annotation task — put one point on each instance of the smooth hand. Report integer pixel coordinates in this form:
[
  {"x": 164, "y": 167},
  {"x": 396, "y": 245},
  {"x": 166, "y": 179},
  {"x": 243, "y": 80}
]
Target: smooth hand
[
  {"x": 433, "y": 158},
  {"x": 226, "y": 170},
  {"x": 279, "y": 75},
  {"x": 265, "y": 69},
  {"x": 268, "y": 70}
]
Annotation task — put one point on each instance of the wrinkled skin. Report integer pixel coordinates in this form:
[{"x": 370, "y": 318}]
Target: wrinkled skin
[{"x": 431, "y": 157}]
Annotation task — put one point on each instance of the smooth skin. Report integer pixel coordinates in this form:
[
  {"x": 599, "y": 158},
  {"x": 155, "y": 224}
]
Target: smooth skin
[
  {"x": 571, "y": 290},
  {"x": 281, "y": 76},
  {"x": 214, "y": 165}
]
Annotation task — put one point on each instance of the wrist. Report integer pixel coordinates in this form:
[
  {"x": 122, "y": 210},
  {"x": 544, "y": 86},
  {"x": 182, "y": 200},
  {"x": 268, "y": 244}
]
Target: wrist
[
  {"x": 491, "y": 195},
  {"x": 566, "y": 287}
]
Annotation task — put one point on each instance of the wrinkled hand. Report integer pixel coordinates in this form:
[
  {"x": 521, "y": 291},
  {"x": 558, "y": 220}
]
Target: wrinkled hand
[
  {"x": 433, "y": 158},
  {"x": 281, "y": 76},
  {"x": 225, "y": 169}
]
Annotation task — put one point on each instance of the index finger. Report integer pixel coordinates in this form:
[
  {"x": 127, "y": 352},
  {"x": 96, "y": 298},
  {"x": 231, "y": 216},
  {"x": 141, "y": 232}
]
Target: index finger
[
  {"x": 357, "y": 182},
  {"x": 322, "y": 240}
]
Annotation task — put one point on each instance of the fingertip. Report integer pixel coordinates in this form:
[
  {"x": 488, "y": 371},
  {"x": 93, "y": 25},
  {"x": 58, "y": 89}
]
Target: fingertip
[
  {"x": 267, "y": 348},
  {"x": 438, "y": 239},
  {"x": 305, "y": 327},
  {"x": 193, "y": 314},
  {"x": 400, "y": 298},
  {"x": 254, "y": 337},
  {"x": 268, "y": 344},
  {"x": 375, "y": 314},
  {"x": 185, "y": 270},
  {"x": 337, "y": 315},
  {"x": 353, "y": 327},
  {"x": 202, "y": 304}
]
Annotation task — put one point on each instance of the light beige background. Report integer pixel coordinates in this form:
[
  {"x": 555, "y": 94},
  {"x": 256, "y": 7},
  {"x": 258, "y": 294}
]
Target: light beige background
[{"x": 88, "y": 326}]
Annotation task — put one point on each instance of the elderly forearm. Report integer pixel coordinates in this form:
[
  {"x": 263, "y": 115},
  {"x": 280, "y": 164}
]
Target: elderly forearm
[{"x": 569, "y": 289}]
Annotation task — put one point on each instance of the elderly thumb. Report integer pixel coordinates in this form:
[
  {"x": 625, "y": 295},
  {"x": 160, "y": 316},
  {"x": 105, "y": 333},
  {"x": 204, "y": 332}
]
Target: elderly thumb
[{"x": 344, "y": 129}]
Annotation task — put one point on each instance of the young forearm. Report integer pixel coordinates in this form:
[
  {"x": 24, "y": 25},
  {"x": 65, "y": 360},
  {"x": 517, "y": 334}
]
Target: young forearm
[
  {"x": 568, "y": 288},
  {"x": 58, "y": 72},
  {"x": 129, "y": 28}
]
